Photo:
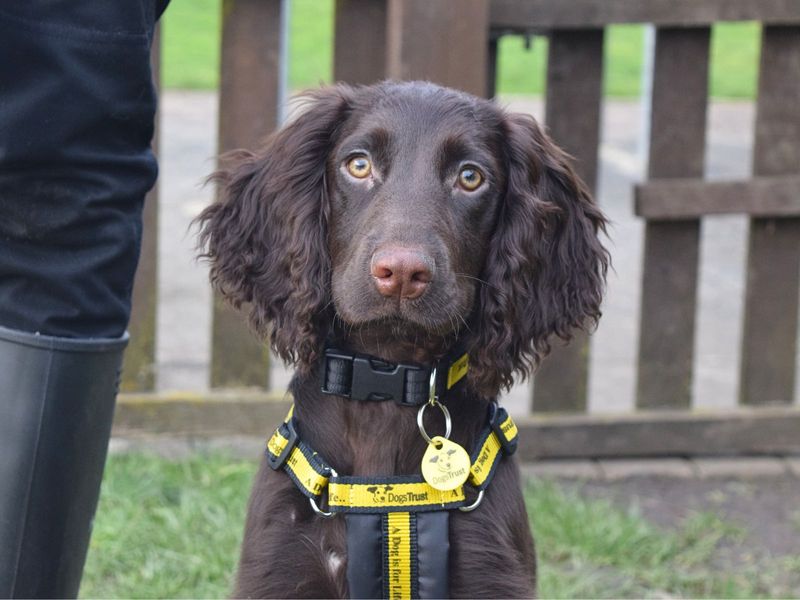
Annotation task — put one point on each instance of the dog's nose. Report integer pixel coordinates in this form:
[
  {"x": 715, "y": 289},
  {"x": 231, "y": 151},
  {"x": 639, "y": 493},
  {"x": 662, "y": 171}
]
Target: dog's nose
[{"x": 401, "y": 272}]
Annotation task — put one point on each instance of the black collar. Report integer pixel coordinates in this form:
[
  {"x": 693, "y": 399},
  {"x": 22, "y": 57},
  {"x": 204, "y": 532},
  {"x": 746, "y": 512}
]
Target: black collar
[{"x": 368, "y": 378}]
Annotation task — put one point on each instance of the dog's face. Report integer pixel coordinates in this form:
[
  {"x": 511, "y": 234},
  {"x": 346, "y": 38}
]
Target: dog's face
[
  {"x": 412, "y": 214},
  {"x": 414, "y": 181}
]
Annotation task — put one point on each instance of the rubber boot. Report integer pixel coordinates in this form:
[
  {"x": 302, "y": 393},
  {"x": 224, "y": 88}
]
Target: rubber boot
[{"x": 56, "y": 406}]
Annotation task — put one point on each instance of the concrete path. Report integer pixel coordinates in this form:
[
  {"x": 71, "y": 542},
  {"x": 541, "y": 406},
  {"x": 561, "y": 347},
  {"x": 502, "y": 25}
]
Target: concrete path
[{"x": 189, "y": 128}]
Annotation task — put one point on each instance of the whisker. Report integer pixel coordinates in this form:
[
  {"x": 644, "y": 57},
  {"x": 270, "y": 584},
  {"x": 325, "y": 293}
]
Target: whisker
[{"x": 478, "y": 279}]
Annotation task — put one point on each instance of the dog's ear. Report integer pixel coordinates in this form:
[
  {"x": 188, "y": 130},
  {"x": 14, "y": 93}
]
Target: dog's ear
[
  {"x": 372, "y": 489},
  {"x": 545, "y": 269},
  {"x": 266, "y": 236}
]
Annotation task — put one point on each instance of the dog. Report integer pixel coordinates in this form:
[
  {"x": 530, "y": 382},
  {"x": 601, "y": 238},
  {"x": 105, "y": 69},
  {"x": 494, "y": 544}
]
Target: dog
[{"x": 396, "y": 219}]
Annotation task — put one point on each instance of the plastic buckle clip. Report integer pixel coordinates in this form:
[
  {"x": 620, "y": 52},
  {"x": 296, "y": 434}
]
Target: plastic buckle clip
[
  {"x": 371, "y": 383},
  {"x": 276, "y": 462}
]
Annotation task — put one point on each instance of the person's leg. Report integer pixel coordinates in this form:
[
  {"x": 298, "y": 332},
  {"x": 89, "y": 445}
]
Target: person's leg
[{"x": 75, "y": 163}]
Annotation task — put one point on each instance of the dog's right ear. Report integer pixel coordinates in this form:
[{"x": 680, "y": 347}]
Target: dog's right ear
[{"x": 266, "y": 236}]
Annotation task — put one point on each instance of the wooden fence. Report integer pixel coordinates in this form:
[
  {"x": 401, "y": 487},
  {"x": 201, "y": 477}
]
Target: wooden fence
[{"x": 455, "y": 43}]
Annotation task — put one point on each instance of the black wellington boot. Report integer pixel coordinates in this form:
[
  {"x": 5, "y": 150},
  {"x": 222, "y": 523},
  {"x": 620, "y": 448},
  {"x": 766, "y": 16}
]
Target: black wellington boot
[{"x": 56, "y": 407}]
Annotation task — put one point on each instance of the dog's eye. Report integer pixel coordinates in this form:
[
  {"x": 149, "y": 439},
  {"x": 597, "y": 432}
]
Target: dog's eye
[
  {"x": 359, "y": 167},
  {"x": 470, "y": 179}
]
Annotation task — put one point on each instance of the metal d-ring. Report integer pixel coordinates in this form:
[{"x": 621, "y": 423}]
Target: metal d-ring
[
  {"x": 317, "y": 509},
  {"x": 475, "y": 504},
  {"x": 432, "y": 387},
  {"x": 448, "y": 423}
]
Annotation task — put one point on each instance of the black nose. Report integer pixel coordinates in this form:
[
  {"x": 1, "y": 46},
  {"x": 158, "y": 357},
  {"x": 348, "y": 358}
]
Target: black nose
[{"x": 401, "y": 272}]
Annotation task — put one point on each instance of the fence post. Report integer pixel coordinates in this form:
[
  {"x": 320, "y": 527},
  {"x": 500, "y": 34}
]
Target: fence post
[
  {"x": 138, "y": 370},
  {"x": 669, "y": 285},
  {"x": 572, "y": 116},
  {"x": 248, "y": 111},
  {"x": 773, "y": 261},
  {"x": 441, "y": 41},
  {"x": 359, "y": 41}
]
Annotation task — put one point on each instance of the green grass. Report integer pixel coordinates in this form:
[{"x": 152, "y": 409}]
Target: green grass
[
  {"x": 589, "y": 549},
  {"x": 191, "y": 35},
  {"x": 190, "y": 38},
  {"x": 167, "y": 529},
  {"x": 172, "y": 529}
]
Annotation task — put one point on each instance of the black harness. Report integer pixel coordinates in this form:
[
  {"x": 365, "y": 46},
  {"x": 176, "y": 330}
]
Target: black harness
[{"x": 397, "y": 526}]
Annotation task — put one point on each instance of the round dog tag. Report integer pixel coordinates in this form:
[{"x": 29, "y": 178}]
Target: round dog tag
[{"x": 445, "y": 465}]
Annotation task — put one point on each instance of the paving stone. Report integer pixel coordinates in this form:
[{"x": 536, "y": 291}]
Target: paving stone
[
  {"x": 566, "y": 469},
  {"x": 657, "y": 467},
  {"x": 740, "y": 467}
]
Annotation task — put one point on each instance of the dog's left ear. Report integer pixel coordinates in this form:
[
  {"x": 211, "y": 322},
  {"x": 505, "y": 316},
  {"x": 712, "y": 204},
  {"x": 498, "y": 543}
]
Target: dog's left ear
[
  {"x": 545, "y": 269},
  {"x": 266, "y": 238}
]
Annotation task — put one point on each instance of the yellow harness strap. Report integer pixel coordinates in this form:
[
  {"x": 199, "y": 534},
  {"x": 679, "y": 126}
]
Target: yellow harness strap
[
  {"x": 499, "y": 438},
  {"x": 399, "y": 540},
  {"x": 389, "y": 494}
]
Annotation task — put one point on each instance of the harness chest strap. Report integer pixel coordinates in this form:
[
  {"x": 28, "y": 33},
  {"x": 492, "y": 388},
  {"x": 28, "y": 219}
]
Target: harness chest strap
[
  {"x": 312, "y": 474},
  {"x": 402, "y": 519}
]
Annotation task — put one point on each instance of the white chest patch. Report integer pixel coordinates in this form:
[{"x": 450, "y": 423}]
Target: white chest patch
[{"x": 335, "y": 563}]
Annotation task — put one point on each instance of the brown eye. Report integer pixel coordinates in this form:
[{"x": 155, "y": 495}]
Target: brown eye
[
  {"x": 470, "y": 179},
  {"x": 359, "y": 167}
]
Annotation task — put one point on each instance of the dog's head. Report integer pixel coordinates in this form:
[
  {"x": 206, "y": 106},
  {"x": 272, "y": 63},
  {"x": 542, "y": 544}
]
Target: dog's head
[{"x": 411, "y": 214}]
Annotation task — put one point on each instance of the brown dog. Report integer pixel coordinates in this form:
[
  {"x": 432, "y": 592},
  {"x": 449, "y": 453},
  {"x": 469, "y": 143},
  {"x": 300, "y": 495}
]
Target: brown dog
[{"x": 395, "y": 218}]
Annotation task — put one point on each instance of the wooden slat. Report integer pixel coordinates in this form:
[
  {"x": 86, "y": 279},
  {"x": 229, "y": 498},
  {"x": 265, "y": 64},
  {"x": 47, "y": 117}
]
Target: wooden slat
[
  {"x": 677, "y": 144},
  {"x": 773, "y": 264},
  {"x": 692, "y": 198},
  {"x": 440, "y": 41},
  {"x": 491, "y": 67},
  {"x": 138, "y": 369},
  {"x": 570, "y": 14},
  {"x": 360, "y": 41},
  {"x": 673, "y": 433},
  {"x": 572, "y": 116},
  {"x": 219, "y": 414},
  {"x": 248, "y": 101},
  {"x": 653, "y": 434}
]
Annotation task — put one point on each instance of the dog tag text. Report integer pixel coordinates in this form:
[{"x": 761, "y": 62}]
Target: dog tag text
[{"x": 445, "y": 465}]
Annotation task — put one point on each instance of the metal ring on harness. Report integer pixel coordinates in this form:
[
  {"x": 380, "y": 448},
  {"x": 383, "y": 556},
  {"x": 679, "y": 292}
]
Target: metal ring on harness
[
  {"x": 475, "y": 504},
  {"x": 448, "y": 424},
  {"x": 318, "y": 510}
]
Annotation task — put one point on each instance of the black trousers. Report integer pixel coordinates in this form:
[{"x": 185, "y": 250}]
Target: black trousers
[{"x": 76, "y": 119}]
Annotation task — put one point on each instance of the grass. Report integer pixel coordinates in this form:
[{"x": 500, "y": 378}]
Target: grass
[
  {"x": 172, "y": 529},
  {"x": 589, "y": 549},
  {"x": 167, "y": 529},
  {"x": 191, "y": 33}
]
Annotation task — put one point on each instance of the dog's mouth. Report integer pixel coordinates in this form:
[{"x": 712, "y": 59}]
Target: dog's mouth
[
  {"x": 406, "y": 318},
  {"x": 405, "y": 338}
]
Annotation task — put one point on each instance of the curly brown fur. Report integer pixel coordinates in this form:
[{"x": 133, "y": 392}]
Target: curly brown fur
[
  {"x": 302, "y": 243},
  {"x": 546, "y": 267},
  {"x": 266, "y": 241}
]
